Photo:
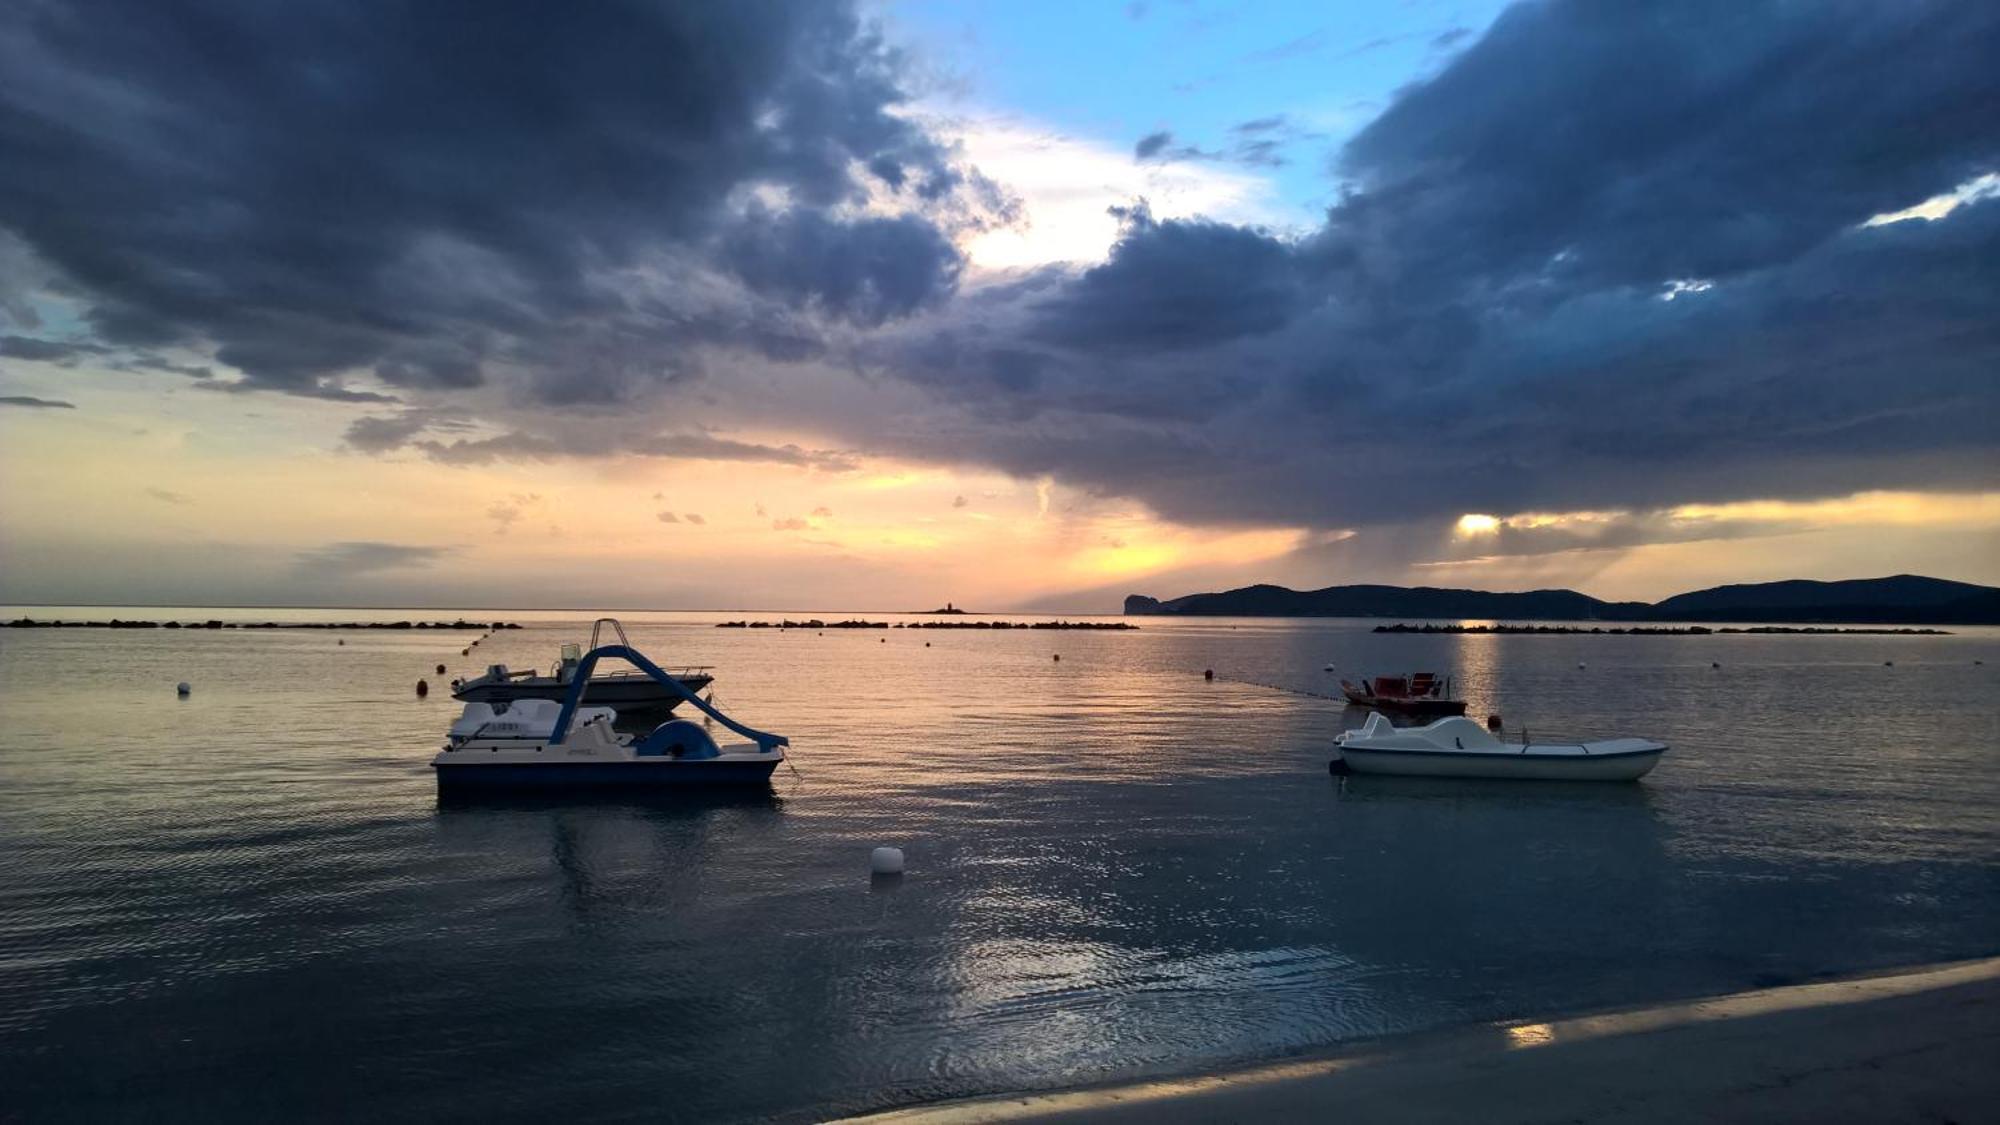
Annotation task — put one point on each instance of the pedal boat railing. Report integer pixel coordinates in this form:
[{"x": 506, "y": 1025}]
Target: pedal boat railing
[{"x": 766, "y": 742}]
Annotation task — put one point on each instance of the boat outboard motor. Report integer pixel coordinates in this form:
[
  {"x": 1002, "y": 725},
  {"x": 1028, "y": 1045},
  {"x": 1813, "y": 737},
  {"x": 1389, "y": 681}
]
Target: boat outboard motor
[{"x": 678, "y": 738}]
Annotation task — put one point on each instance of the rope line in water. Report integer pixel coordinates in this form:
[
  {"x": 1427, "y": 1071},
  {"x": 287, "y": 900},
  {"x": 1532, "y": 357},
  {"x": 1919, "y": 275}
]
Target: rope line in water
[{"x": 1309, "y": 694}]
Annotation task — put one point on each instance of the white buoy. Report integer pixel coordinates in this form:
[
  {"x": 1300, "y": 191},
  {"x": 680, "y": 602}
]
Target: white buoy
[
  {"x": 182, "y": 688},
  {"x": 1329, "y": 667},
  {"x": 886, "y": 861},
  {"x": 1579, "y": 664}
]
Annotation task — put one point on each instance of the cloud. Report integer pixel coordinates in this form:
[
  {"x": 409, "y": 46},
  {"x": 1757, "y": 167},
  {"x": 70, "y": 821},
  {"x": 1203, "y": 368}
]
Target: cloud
[
  {"x": 439, "y": 194},
  {"x": 166, "y": 497},
  {"x": 588, "y": 437},
  {"x": 866, "y": 271},
  {"x": 731, "y": 223},
  {"x": 46, "y": 351},
  {"x": 669, "y": 517},
  {"x": 34, "y": 403},
  {"x": 958, "y": 501},
  {"x": 822, "y": 513},
  {"x": 347, "y": 559},
  {"x": 1479, "y": 322},
  {"x": 694, "y": 518},
  {"x": 506, "y": 513},
  {"x": 381, "y": 433},
  {"x": 790, "y": 523}
]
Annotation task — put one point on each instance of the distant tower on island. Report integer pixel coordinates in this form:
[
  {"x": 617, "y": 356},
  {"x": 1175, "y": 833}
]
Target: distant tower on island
[{"x": 948, "y": 608}]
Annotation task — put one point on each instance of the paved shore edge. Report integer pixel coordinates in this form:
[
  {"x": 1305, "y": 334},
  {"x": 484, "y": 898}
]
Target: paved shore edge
[{"x": 1903, "y": 1045}]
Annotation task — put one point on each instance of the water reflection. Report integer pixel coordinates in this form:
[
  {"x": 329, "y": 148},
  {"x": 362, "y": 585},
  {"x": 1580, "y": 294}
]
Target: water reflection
[
  {"x": 666, "y": 803},
  {"x": 1498, "y": 792},
  {"x": 1114, "y": 864}
]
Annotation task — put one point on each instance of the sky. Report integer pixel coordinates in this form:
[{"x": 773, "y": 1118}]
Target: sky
[{"x": 1025, "y": 307}]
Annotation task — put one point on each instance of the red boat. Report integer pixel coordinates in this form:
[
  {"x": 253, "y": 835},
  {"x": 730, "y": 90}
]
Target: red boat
[{"x": 1419, "y": 693}]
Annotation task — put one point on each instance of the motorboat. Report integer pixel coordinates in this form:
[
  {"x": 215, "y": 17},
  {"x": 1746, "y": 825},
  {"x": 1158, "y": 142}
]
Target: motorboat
[
  {"x": 630, "y": 693},
  {"x": 1419, "y": 693},
  {"x": 1459, "y": 747},
  {"x": 539, "y": 743}
]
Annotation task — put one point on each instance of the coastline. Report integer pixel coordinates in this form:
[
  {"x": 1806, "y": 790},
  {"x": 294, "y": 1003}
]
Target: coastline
[{"x": 1899, "y": 1045}]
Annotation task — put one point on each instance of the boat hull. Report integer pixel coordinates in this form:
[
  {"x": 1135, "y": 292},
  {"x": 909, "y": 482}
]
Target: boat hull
[
  {"x": 1431, "y": 707},
  {"x": 625, "y": 695},
  {"x": 1628, "y": 766},
  {"x": 622, "y": 775}
]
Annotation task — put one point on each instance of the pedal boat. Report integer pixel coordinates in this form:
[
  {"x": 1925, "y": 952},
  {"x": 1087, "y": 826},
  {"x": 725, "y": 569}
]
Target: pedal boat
[
  {"x": 1418, "y": 694},
  {"x": 539, "y": 744},
  {"x": 633, "y": 694},
  {"x": 1459, "y": 747}
]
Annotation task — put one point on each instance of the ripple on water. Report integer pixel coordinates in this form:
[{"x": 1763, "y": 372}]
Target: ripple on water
[{"x": 1115, "y": 867}]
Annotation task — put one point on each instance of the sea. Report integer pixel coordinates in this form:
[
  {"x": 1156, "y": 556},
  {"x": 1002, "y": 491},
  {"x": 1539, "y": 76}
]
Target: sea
[{"x": 250, "y": 904}]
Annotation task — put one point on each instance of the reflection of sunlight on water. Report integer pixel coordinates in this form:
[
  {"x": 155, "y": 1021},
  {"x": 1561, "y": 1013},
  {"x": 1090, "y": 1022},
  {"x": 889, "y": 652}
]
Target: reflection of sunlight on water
[
  {"x": 1114, "y": 864},
  {"x": 1479, "y": 667},
  {"x": 1530, "y": 1035}
]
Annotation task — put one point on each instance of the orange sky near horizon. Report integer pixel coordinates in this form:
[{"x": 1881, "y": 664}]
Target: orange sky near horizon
[{"x": 145, "y": 497}]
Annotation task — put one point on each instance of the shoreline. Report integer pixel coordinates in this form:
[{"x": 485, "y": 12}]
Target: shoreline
[{"x": 1895, "y": 1045}]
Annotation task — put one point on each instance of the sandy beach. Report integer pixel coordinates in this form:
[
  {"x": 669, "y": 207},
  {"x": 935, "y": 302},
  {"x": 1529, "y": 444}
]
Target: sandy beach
[{"x": 1917, "y": 1045}]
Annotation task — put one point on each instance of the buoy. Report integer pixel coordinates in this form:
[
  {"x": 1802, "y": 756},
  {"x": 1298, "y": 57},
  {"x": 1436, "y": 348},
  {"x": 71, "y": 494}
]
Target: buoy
[
  {"x": 1888, "y": 664},
  {"x": 440, "y": 669},
  {"x": 462, "y": 652},
  {"x": 885, "y": 640},
  {"x": 340, "y": 642},
  {"x": 1579, "y": 664},
  {"x": 886, "y": 861},
  {"x": 1329, "y": 667},
  {"x": 1208, "y": 673},
  {"x": 182, "y": 688},
  {"x": 423, "y": 689},
  {"x": 1715, "y": 664},
  {"x": 1059, "y": 658},
  {"x": 927, "y": 644},
  {"x": 1493, "y": 722}
]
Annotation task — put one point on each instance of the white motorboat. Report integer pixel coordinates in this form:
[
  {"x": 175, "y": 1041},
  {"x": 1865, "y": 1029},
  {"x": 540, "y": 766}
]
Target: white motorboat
[
  {"x": 539, "y": 743},
  {"x": 1459, "y": 747}
]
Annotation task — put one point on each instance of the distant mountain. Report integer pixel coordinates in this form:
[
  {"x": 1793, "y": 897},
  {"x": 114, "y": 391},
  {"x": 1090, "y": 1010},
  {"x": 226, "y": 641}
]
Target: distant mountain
[
  {"x": 1390, "y": 601},
  {"x": 1904, "y": 599}
]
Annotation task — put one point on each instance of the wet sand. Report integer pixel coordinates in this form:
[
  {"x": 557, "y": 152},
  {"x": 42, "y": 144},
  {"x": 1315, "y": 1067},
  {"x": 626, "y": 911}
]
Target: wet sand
[{"x": 1919, "y": 1045}]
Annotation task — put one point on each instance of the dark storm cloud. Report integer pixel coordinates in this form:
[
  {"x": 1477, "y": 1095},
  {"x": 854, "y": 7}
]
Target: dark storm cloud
[
  {"x": 536, "y": 223},
  {"x": 33, "y": 403},
  {"x": 314, "y": 189},
  {"x": 1479, "y": 325},
  {"x": 1587, "y": 143},
  {"x": 1175, "y": 285},
  {"x": 867, "y": 271}
]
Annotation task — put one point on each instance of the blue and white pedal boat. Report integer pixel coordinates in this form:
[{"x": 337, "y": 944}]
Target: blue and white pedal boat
[
  {"x": 1459, "y": 747},
  {"x": 540, "y": 744}
]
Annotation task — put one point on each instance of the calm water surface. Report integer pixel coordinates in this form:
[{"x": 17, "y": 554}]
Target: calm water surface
[{"x": 250, "y": 903}]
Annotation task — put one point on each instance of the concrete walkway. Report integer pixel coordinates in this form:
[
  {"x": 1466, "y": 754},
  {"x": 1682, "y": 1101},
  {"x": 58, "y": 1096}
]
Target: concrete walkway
[{"x": 1914, "y": 1046}]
